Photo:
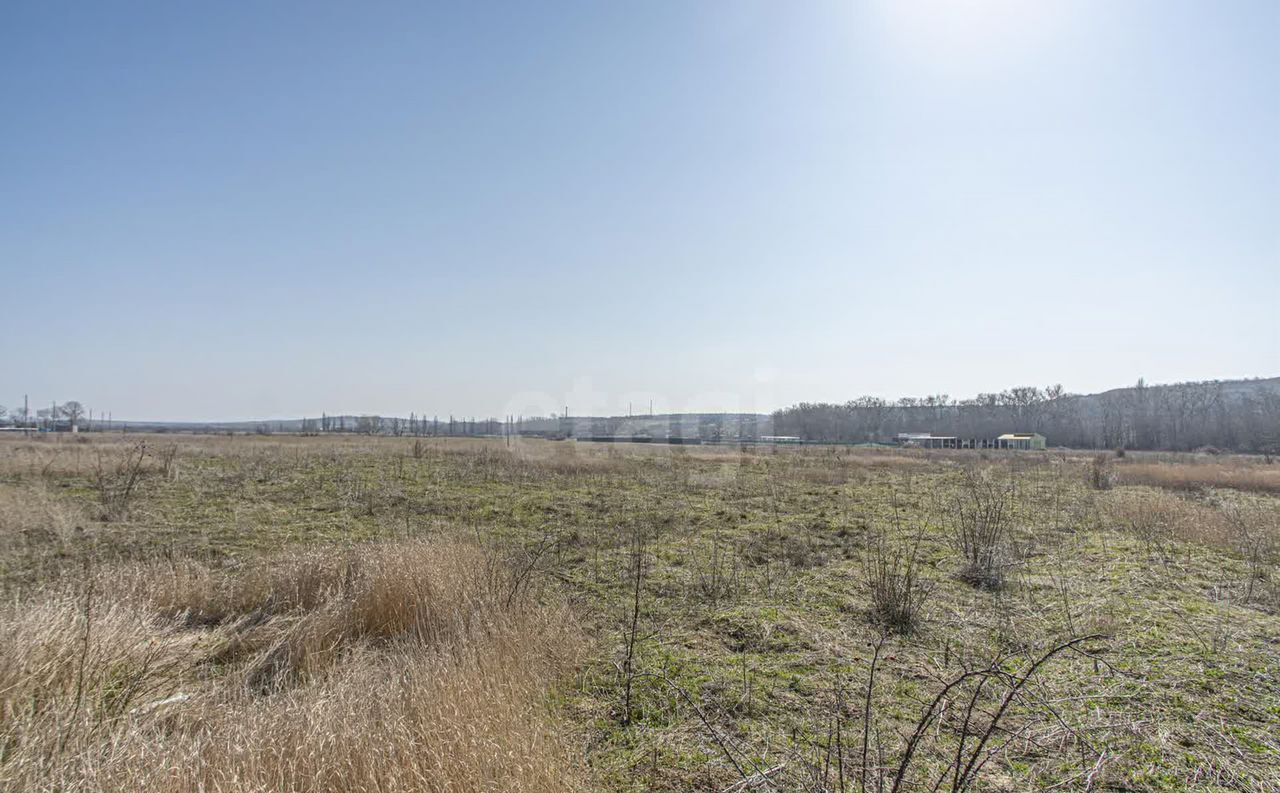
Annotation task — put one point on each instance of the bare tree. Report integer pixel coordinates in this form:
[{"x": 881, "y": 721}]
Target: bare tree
[
  {"x": 369, "y": 425},
  {"x": 72, "y": 411}
]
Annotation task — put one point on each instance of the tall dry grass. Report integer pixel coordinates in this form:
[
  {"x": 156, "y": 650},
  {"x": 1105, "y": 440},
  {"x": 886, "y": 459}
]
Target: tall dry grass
[
  {"x": 412, "y": 666},
  {"x": 1158, "y": 517},
  {"x": 33, "y": 515},
  {"x": 1256, "y": 478},
  {"x": 1250, "y": 529}
]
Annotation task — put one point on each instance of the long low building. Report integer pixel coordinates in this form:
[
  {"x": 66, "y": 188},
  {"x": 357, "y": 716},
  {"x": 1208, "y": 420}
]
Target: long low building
[{"x": 1026, "y": 441}]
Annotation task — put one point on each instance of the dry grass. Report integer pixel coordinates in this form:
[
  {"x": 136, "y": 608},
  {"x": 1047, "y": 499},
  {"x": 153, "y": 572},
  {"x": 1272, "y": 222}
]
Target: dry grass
[
  {"x": 1249, "y": 530},
  {"x": 1159, "y": 517},
  {"x": 1258, "y": 478},
  {"x": 243, "y": 578},
  {"x": 402, "y": 667},
  {"x": 32, "y": 515}
]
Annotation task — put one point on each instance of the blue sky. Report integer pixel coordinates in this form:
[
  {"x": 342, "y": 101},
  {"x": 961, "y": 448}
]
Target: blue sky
[{"x": 234, "y": 210}]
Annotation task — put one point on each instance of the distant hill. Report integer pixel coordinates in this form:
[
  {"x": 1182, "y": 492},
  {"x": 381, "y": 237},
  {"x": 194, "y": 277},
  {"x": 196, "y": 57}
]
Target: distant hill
[{"x": 1230, "y": 391}]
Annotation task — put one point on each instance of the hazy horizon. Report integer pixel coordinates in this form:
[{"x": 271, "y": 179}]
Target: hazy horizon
[
  {"x": 602, "y": 406},
  {"x": 238, "y": 213}
]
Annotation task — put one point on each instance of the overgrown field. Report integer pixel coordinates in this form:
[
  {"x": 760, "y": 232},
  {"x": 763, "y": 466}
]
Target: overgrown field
[{"x": 395, "y": 614}]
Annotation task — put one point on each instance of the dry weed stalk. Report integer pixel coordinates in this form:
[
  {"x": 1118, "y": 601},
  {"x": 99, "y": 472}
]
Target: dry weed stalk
[
  {"x": 637, "y": 567},
  {"x": 971, "y": 719}
]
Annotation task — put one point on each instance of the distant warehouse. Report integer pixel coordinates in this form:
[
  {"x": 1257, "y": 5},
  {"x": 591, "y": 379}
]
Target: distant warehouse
[
  {"x": 1010, "y": 440},
  {"x": 1021, "y": 440}
]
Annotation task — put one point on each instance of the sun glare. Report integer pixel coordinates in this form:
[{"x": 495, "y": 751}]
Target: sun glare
[{"x": 970, "y": 34}]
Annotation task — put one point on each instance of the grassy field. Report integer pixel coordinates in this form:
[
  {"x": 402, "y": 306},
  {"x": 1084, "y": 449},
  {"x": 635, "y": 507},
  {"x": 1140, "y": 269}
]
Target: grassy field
[{"x": 392, "y": 614}]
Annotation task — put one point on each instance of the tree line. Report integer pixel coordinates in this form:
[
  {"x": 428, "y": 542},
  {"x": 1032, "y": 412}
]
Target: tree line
[
  {"x": 1231, "y": 415},
  {"x": 69, "y": 414},
  {"x": 415, "y": 425}
]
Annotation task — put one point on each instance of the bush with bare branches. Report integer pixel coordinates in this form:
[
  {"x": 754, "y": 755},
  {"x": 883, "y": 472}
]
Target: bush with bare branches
[
  {"x": 980, "y": 515},
  {"x": 891, "y": 571},
  {"x": 1101, "y": 474},
  {"x": 116, "y": 479}
]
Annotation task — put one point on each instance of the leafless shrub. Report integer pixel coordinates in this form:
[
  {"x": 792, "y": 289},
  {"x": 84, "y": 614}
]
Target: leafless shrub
[
  {"x": 1255, "y": 535},
  {"x": 980, "y": 518},
  {"x": 973, "y": 717},
  {"x": 516, "y": 570},
  {"x": 116, "y": 480},
  {"x": 891, "y": 571},
  {"x": 1101, "y": 473},
  {"x": 979, "y": 727},
  {"x": 716, "y": 572},
  {"x": 166, "y": 457},
  {"x": 1153, "y": 521}
]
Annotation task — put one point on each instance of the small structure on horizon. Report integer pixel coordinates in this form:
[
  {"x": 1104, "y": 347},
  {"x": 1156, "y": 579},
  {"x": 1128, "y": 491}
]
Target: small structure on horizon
[
  {"x": 926, "y": 440},
  {"x": 1021, "y": 440},
  {"x": 1025, "y": 441}
]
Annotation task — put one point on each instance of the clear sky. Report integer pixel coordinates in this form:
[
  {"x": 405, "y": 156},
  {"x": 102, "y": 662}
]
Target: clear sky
[{"x": 242, "y": 210}]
